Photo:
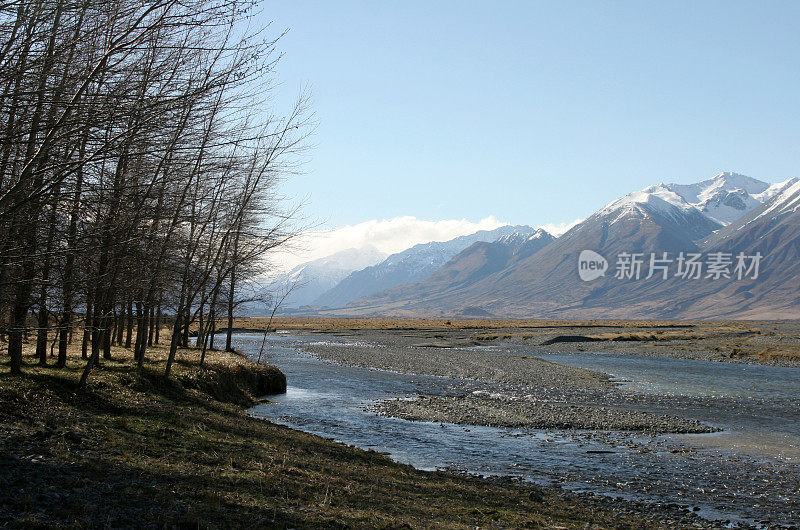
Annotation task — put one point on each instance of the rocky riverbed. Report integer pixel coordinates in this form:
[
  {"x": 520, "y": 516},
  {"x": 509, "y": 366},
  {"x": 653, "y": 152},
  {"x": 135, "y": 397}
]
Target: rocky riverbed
[
  {"x": 422, "y": 353},
  {"x": 501, "y": 388},
  {"x": 482, "y": 408}
]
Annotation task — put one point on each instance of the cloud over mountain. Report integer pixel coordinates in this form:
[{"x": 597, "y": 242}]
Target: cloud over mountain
[{"x": 386, "y": 235}]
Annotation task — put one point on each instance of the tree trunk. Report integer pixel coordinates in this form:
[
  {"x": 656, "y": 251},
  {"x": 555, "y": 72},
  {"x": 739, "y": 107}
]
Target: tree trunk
[
  {"x": 129, "y": 322},
  {"x": 141, "y": 345},
  {"x": 150, "y": 328},
  {"x": 173, "y": 344},
  {"x": 232, "y": 292},
  {"x": 115, "y": 323},
  {"x": 158, "y": 320},
  {"x": 69, "y": 265},
  {"x": 16, "y": 332},
  {"x": 185, "y": 332},
  {"x": 64, "y": 335},
  {"x": 95, "y": 359},
  {"x": 87, "y": 326},
  {"x": 119, "y": 327},
  {"x": 107, "y": 336},
  {"x": 26, "y": 220},
  {"x": 41, "y": 334},
  {"x": 200, "y": 329},
  {"x": 213, "y": 317},
  {"x": 43, "y": 322}
]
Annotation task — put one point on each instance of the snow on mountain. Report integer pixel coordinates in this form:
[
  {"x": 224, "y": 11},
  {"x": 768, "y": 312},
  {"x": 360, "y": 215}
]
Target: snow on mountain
[
  {"x": 700, "y": 192},
  {"x": 411, "y": 265},
  {"x": 473, "y": 264},
  {"x": 540, "y": 233},
  {"x": 723, "y": 198},
  {"x": 315, "y": 277},
  {"x": 771, "y": 231},
  {"x": 775, "y": 189},
  {"x": 787, "y": 200},
  {"x": 523, "y": 244},
  {"x": 660, "y": 205},
  {"x": 521, "y": 237},
  {"x": 655, "y": 199},
  {"x": 721, "y": 214},
  {"x": 726, "y": 197}
]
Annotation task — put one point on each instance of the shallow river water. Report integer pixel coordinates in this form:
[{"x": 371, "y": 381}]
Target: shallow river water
[
  {"x": 757, "y": 406},
  {"x": 749, "y": 472}
]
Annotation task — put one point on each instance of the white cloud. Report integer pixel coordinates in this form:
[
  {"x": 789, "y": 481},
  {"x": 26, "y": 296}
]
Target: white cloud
[
  {"x": 558, "y": 229},
  {"x": 387, "y": 235}
]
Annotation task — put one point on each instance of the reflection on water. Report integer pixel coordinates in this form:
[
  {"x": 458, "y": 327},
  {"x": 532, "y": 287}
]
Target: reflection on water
[{"x": 335, "y": 401}]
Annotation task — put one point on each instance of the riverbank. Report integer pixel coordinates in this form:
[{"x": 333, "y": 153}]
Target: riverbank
[
  {"x": 753, "y": 342},
  {"x": 138, "y": 450}
]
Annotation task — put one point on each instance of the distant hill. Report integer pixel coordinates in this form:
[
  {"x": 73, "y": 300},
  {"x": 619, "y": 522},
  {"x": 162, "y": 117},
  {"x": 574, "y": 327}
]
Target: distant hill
[
  {"x": 316, "y": 277},
  {"x": 409, "y": 266},
  {"x": 478, "y": 261}
]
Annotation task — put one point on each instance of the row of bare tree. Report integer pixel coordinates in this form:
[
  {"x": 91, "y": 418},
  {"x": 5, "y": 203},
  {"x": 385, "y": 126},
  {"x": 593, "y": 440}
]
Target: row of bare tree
[{"x": 139, "y": 156}]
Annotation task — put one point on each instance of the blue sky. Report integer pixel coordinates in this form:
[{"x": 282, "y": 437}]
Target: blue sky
[{"x": 534, "y": 112}]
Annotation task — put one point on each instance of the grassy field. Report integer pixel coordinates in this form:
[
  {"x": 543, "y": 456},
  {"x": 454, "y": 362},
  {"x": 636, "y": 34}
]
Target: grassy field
[{"x": 138, "y": 450}]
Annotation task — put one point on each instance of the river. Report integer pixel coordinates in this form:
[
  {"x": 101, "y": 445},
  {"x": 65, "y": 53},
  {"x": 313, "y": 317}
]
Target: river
[{"x": 749, "y": 472}]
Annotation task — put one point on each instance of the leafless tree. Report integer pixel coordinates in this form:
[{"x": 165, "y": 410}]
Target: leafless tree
[{"x": 139, "y": 160}]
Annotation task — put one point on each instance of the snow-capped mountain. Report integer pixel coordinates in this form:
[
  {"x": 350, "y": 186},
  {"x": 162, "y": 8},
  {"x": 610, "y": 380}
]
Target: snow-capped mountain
[
  {"x": 650, "y": 220},
  {"x": 771, "y": 231},
  {"x": 722, "y": 199},
  {"x": 411, "y": 265},
  {"x": 522, "y": 245},
  {"x": 727, "y": 196},
  {"x": 785, "y": 203},
  {"x": 315, "y": 277},
  {"x": 667, "y": 208},
  {"x": 706, "y": 217},
  {"x": 774, "y": 216}
]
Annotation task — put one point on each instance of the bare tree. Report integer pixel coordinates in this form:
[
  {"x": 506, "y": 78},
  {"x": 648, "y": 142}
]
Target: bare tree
[{"x": 139, "y": 161}]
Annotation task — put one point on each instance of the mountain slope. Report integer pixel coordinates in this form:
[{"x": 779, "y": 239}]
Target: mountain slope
[
  {"x": 411, "y": 265},
  {"x": 773, "y": 231},
  {"x": 472, "y": 264}
]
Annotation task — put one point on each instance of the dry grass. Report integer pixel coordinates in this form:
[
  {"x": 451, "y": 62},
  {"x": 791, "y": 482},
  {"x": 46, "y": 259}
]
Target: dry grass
[
  {"x": 342, "y": 323},
  {"x": 702, "y": 331},
  {"x": 508, "y": 335},
  {"x": 789, "y": 352}
]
